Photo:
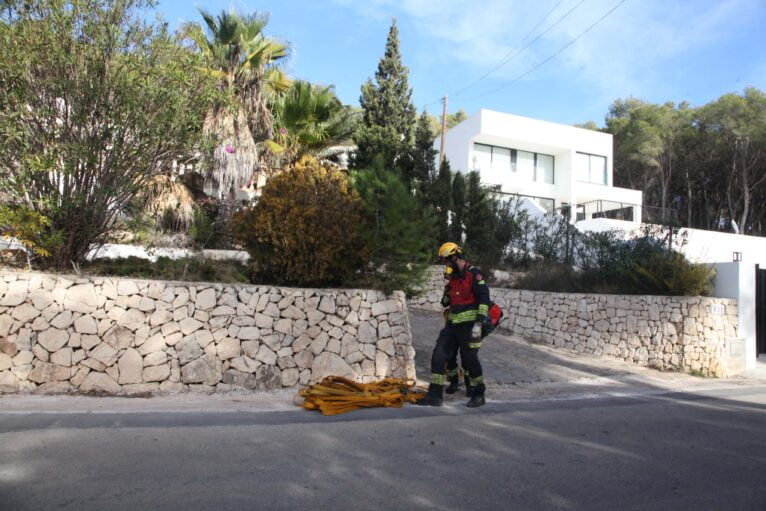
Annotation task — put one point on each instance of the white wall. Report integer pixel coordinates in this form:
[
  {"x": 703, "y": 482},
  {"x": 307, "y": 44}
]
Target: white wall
[
  {"x": 737, "y": 281},
  {"x": 713, "y": 247},
  {"x": 118, "y": 251},
  {"x": 701, "y": 246},
  {"x": 458, "y": 143},
  {"x": 523, "y": 133},
  {"x": 543, "y": 136},
  {"x": 733, "y": 280}
]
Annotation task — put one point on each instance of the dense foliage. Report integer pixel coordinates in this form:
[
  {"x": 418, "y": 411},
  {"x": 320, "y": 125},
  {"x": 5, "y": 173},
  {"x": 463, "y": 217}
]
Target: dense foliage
[
  {"x": 457, "y": 227},
  {"x": 421, "y": 173},
  {"x": 398, "y": 231},
  {"x": 308, "y": 118},
  {"x": 304, "y": 229},
  {"x": 440, "y": 197},
  {"x": 561, "y": 258},
  {"x": 388, "y": 115},
  {"x": 94, "y": 102},
  {"x": 28, "y": 228},
  {"x": 707, "y": 163}
]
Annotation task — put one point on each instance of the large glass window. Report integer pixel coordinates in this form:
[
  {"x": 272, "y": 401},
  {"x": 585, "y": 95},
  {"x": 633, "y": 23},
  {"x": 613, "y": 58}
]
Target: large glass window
[
  {"x": 501, "y": 159},
  {"x": 546, "y": 203},
  {"x": 527, "y": 166},
  {"x": 544, "y": 168},
  {"x": 590, "y": 168},
  {"x": 482, "y": 156}
]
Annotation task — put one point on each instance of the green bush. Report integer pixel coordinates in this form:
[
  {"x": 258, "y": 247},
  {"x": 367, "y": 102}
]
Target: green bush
[
  {"x": 549, "y": 276},
  {"x": 96, "y": 98},
  {"x": 304, "y": 229},
  {"x": 202, "y": 230},
  {"x": 672, "y": 274},
  {"x": 196, "y": 269},
  {"x": 610, "y": 264}
]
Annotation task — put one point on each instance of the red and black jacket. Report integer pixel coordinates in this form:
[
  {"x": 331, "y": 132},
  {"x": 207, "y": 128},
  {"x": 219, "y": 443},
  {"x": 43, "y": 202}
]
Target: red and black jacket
[{"x": 467, "y": 296}]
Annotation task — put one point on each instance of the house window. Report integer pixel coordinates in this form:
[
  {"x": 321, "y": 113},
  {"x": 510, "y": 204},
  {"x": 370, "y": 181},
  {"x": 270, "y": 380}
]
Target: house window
[
  {"x": 544, "y": 168},
  {"x": 501, "y": 159},
  {"x": 590, "y": 168},
  {"x": 546, "y": 203},
  {"x": 482, "y": 156},
  {"x": 525, "y": 165},
  {"x": 528, "y": 166}
]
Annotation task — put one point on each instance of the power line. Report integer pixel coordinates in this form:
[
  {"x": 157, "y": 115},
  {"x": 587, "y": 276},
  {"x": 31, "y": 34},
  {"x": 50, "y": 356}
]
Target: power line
[
  {"x": 510, "y": 55},
  {"x": 507, "y": 58},
  {"x": 541, "y": 21},
  {"x": 570, "y": 43}
]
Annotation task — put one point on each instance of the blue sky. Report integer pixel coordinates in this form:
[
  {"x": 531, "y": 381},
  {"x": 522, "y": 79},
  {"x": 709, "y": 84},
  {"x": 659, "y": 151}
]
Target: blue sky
[{"x": 656, "y": 50}]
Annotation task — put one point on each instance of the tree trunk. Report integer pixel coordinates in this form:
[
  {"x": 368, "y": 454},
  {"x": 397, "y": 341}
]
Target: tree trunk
[{"x": 235, "y": 156}]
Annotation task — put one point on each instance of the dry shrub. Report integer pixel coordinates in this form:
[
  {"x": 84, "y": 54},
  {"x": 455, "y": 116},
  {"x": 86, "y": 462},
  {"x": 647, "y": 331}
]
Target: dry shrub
[
  {"x": 304, "y": 228},
  {"x": 169, "y": 200}
]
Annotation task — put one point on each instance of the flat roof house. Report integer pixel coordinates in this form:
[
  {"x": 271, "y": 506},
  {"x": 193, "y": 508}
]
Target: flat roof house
[{"x": 556, "y": 166}]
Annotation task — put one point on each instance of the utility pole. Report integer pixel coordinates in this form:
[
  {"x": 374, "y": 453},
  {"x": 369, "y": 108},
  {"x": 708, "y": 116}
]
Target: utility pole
[{"x": 444, "y": 130}]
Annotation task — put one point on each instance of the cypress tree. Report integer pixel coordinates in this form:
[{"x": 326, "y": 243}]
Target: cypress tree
[
  {"x": 388, "y": 118},
  {"x": 479, "y": 222},
  {"x": 424, "y": 156},
  {"x": 458, "y": 208}
]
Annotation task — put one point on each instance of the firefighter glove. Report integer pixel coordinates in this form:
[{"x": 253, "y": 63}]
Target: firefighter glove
[{"x": 476, "y": 331}]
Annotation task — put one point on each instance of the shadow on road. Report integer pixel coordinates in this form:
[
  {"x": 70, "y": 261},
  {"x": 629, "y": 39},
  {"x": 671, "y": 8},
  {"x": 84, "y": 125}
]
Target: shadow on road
[{"x": 660, "y": 452}]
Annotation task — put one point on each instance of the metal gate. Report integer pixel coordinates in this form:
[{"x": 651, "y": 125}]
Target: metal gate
[{"x": 760, "y": 309}]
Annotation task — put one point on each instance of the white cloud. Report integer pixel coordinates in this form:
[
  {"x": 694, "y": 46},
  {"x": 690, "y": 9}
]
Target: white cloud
[{"x": 627, "y": 53}]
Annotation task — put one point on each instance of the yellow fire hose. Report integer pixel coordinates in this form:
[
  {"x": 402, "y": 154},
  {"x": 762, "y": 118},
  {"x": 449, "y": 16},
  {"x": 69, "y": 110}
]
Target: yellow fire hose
[{"x": 335, "y": 395}]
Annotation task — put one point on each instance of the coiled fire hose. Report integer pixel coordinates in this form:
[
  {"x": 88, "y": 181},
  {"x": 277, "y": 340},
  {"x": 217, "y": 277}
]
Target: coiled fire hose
[{"x": 335, "y": 395}]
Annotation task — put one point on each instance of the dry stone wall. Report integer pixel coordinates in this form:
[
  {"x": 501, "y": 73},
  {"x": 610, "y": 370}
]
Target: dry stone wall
[
  {"x": 71, "y": 334},
  {"x": 671, "y": 333}
]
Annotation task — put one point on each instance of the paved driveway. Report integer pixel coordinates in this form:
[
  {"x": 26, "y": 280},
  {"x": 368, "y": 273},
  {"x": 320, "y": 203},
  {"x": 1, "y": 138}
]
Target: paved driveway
[{"x": 516, "y": 368}]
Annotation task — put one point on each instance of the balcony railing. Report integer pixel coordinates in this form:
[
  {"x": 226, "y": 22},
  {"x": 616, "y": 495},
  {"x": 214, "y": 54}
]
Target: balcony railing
[
  {"x": 658, "y": 215},
  {"x": 623, "y": 211}
]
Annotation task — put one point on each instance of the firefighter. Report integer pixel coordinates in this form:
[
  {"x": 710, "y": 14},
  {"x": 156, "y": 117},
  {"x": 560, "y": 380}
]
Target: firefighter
[
  {"x": 453, "y": 373},
  {"x": 467, "y": 297}
]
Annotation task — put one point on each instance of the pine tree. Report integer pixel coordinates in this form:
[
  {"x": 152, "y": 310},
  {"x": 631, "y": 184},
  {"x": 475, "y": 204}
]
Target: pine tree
[
  {"x": 458, "y": 208},
  {"x": 388, "y": 118},
  {"x": 398, "y": 233},
  {"x": 441, "y": 199}
]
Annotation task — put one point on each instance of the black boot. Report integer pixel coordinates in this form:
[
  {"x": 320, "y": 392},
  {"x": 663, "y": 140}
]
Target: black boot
[
  {"x": 477, "y": 400},
  {"x": 433, "y": 398},
  {"x": 453, "y": 385},
  {"x": 469, "y": 390}
]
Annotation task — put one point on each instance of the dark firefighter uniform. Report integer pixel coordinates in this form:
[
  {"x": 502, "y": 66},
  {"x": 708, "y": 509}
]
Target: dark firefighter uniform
[{"x": 467, "y": 297}]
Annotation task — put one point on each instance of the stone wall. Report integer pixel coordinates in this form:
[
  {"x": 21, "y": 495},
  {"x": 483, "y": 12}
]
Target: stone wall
[
  {"x": 670, "y": 333},
  {"x": 72, "y": 334}
]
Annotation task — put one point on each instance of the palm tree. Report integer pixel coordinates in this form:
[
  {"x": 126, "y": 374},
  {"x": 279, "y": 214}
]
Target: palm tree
[
  {"x": 308, "y": 119},
  {"x": 247, "y": 64}
]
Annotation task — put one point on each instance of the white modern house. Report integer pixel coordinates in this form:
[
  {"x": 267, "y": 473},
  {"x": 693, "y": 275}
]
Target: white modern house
[
  {"x": 554, "y": 165},
  {"x": 558, "y": 167}
]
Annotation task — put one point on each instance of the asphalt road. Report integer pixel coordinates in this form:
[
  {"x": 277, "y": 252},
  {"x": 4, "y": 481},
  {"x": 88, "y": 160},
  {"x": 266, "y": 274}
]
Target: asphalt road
[
  {"x": 672, "y": 451},
  {"x": 560, "y": 431}
]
